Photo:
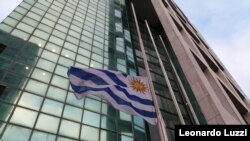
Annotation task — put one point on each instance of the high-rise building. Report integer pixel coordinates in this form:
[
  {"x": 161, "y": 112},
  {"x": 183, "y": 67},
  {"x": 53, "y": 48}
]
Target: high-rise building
[{"x": 40, "y": 39}]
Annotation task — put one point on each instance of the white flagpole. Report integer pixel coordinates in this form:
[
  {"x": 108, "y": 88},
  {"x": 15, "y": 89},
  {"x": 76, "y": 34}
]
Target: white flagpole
[
  {"x": 181, "y": 85},
  {"x": 166, "y": 77},
  {"x": 160, "y": 124}
]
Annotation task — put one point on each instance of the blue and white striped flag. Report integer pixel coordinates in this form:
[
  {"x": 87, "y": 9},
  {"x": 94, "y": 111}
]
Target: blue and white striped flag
[{"x": 129, "y": 94}]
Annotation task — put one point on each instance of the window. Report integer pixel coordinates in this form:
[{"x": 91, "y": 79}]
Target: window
[
  {"x": 82, "y": 60},
  {"x": 30, "y": 101},
  {"x": 65, "y": 61},
  {"x": 46, "y": 65},
  {"x": 41, "y": 136},
  {"x": 30, "y": 21},
  {"x": 50, "y": 56},
  {"x": 34, "y": 16},
  {"x": 2, "y": 47},
  {"x": 56, "y": 40},
  {"x": 24, "y": 117},
  {"x": 15, "y": 133},
  {"x": 108, "y": 123},
  {"x": 48, "y": 22},
  {"x": 84, "y": 52},
  {"x": 41, "y": 34},
  {"x": 16, "y": 15},
  {"x": 72, "y": 40},
  {"x": 60, "y": 81},
  {"x": 72, "y": 113},
  {"x": 44, "y": 27},
  {"x": 52, "y": 107},
  {"x": 92, "y": 104},
  {"x": 70, "y": 46},
  {"x": 56, "y": 93},
  {"x": 47, "y": 123},
  {"x": 37, "y": 11},
  {"x": 61, "y": 28},
  {"x": 91, "y": 118},
  {"x": 36, "y": 87},
  {"x": 71, "y": 99},
  {"x": 54, "y": 48},
  {"x": 68, "y": 54},
  {"x": 51, "y": 17},
  {"x": 1, "y": 89},
  {"x": 20, "y": 34},
  {"x": 87, "y": 133},
  {"x": 10, "y": 21},
  {"x": 70, "y": 129},
  {"x": 5, "y": 110},
  {"x": 14, "y": 80},
  {"x": 108, "y": 136},
  {"x": 5, "y": 27},
  {"x": 38, "y": 41},
  {"x": 59, "y": 34}
]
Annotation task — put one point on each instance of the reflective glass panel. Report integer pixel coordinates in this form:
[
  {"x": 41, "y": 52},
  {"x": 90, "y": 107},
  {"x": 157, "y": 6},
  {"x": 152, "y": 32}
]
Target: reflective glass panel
[
  {"x": 30, "y": 101},
  {"x": 87, "y": 133},
  {"x": 139, "y": 133},
  {"x": 47, "y": 123},
  {"x": 24, "y": 117},
  {"x": 41, "y": 136},
  {"x": 71, "y": 99},
  {"x": 41, "y": 75},
  {"x": 108, "y": 136},
  {"x": 91, "y": 118},
  {"x": 49, "y": 55},
  {"x": 92, "y": 104},
  {"x": 60, "y": 70},
  {"x": 139, "y": 121},
  {"x": 5, "y": 110},
  {"x": 108, "y": 109},
  {"x": 108, "y": 123},
  {"x": 69, "y": 128},
  {"x": 54, "y": 48},
  {"x": 15, "y": 133},
  {"x": 72, "y": 113},
  {"x": 56, "y": 93},
  {"x": 20, "y": 34},
  {"x": 10, "y": 95},
  {"x": 46, "y": 65},
  {"x": 52, "y": 107},
  {"x": 64, "y": 139},
  {"x": 125, "y": 138},
  {"x": 60, "y": 81},
  {"x": 65, "y": 61},
  {"x": 36, "y": 87}
]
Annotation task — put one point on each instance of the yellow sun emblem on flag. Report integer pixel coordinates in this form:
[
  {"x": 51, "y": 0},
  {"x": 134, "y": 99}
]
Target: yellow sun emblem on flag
[{"x": 138, "y": 86}]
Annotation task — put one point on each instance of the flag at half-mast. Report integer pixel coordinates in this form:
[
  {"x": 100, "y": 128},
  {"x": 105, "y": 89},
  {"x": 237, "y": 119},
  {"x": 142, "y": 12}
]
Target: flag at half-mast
[{"x": 130, "y": 94}]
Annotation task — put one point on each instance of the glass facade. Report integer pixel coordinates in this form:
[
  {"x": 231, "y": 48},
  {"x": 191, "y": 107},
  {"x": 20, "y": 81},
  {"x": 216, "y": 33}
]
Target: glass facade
[{"x": 41, "y": 39}]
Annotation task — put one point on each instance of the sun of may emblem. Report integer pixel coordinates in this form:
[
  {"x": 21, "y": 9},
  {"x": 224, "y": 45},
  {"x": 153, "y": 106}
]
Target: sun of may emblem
[{"x": 138, "y": 86}]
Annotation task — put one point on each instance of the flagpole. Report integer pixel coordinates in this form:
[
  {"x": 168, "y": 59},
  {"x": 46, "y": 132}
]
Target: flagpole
[
  {"x": 166, "y": 78},
  {"x": 160, "y": 124},
  {"x": 181, "y": 85}
]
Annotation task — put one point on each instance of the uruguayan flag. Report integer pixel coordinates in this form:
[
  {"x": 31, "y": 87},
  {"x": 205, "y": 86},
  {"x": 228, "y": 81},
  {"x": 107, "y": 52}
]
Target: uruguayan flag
[{"x": 129, "y": 94}]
